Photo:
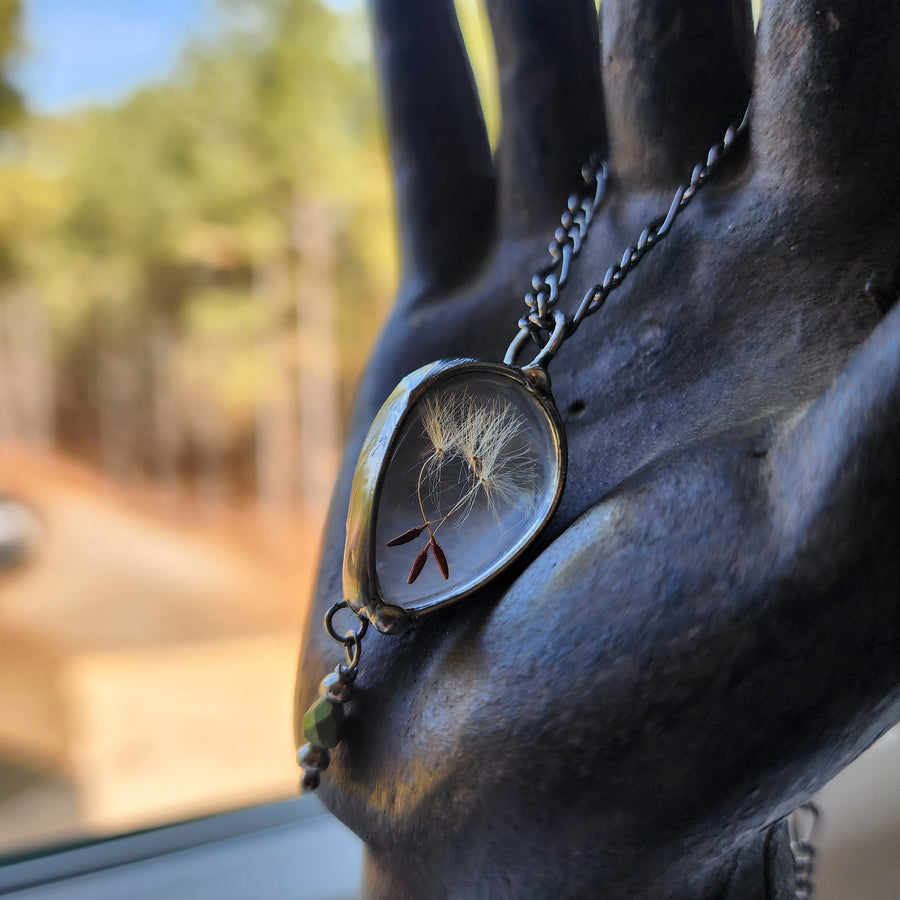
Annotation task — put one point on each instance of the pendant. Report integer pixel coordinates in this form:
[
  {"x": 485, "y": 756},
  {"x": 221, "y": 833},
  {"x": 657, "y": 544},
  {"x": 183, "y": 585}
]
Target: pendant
[{"x": 461, "y": 470}]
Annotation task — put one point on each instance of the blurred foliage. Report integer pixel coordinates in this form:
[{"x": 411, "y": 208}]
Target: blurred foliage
[
  {"x": 182, "y": 217},
  {"x": 174, "y": 243},
  {"x": 10, "y": 46}
]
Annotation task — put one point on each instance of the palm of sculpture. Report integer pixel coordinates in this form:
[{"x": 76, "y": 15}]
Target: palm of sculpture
[{"x": 710, "y": 629}]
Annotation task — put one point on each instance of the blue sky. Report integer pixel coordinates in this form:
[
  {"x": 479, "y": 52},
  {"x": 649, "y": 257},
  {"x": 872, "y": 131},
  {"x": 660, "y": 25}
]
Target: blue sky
[
  {"x": 97, "y": 51},
  {"x": 82, "y": 51}
]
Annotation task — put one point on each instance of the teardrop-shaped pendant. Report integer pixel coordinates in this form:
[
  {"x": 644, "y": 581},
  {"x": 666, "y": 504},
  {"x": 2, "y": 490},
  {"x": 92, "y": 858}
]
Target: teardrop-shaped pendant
[{"x": 462, "y": 468}]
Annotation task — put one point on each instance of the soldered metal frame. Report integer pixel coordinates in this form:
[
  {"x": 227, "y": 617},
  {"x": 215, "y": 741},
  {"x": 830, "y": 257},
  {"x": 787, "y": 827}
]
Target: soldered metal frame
[{"x": 362, "y": 591}]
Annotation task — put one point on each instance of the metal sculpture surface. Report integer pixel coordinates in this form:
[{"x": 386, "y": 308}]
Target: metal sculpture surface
[{"x": 710, "y": 628}]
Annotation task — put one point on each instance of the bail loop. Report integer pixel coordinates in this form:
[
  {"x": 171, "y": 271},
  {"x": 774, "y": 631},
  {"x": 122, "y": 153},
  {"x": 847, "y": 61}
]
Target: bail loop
[{"x": 547, "y": 351}]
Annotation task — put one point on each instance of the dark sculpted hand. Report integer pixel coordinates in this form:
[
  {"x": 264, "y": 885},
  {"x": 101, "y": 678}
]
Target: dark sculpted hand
[{"x": 710, "y": 628}]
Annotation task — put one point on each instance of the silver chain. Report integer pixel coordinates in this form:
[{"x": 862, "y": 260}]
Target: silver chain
[{"x": 543, "y": 324}]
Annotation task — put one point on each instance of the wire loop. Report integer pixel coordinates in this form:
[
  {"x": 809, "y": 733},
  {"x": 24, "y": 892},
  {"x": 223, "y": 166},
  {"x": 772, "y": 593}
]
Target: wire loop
[{"x": 349, "y": 637}]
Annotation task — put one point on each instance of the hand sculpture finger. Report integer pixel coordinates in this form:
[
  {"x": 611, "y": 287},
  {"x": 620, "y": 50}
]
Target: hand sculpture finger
[
  {"x": 827, "y": 93},
  {"x": 443, "y": 174},
  {"x": 676, "y": 73},
  {"x": 845, "y": 449},
  {"x": 548, "y": 61}
]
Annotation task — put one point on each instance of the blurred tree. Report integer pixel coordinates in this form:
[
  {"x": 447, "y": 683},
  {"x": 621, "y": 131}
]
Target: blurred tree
[
  {"x": 10, "y": 46},
  {"x": 189, "y": 255},
  {"x": 199, "y": 270},
  {"x": 26, "y": 384}
]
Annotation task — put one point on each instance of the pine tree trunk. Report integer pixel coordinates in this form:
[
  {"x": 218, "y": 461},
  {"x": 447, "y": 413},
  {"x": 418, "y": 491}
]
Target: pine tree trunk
[{"x": 317, "y": 370}]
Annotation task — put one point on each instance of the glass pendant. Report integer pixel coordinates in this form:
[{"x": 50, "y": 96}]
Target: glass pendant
[{"x": 460, "y": 471}]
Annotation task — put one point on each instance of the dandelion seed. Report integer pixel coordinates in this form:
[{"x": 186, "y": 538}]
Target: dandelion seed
[
  {"x": 474, "y": 448},
  {"x": 409, "y": 535},
  {"x": 440, "y": 423},
  {"x": 440, "y": 558},
  {"x": 440, "y": 427},
  {"x": 501, "y": 463},
  {"x": 418, "y": 564}
]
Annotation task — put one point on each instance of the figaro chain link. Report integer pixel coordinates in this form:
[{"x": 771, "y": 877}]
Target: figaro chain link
[{"x": 541, "y": 322}]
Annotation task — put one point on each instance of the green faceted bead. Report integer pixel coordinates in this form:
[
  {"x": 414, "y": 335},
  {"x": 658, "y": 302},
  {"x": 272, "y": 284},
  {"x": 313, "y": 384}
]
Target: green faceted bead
[{"x": 322, "y": 723}]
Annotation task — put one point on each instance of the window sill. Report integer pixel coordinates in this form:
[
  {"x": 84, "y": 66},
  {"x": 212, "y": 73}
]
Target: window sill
[{"x": 289, "y": 849}]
